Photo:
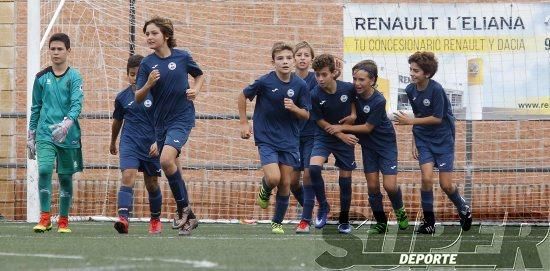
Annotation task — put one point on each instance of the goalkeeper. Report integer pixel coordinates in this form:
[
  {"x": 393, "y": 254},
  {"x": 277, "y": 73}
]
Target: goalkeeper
[{"x": 54, "y": 132}]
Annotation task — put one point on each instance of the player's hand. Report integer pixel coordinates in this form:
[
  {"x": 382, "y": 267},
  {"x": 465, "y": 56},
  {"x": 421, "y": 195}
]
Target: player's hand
[
  {"x": 154, "y": 76},
  {"x": 246, "y": 130},
  {"x": 191, "y": 94},
  {"x": 31, "y": 144},
  {"x": 289, "y": 105},
  {"x": 415, "y": 153},
  {"x": 60, "y": 130},
  {"x": 401, "y": 118},
  {"x": 334, "y": 129},
  {"x": 348, "y": 120},
  {"x": 153, "y": 150},
  {"x": 339, "y": 63},
  {"x": 348, "y": 139},
  {"x": 113, "y": 149}
]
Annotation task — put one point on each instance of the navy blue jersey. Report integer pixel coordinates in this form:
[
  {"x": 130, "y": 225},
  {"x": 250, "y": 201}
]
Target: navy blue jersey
[
  {"x": 309, "y": 127},
  {"x": 433, "y": 102},
  {"x": 273, "y": 124},
  {"x": 332, "y": 107},
  {"x": 138, "y": 132},
  {"x": 169, "y": 92},
  {"x": 373, "y": 112}
]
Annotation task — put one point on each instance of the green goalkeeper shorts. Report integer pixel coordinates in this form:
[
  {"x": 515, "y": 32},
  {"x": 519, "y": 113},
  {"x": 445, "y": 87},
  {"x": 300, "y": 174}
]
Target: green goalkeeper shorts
[{"x": 69, "y": 160}]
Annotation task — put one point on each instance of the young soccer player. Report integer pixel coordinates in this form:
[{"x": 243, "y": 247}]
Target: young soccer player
[
  {"x": 282, "y": 100},
  {"x": 332, "y": 103},
  {"x": 433, "y": 137},
  {"x": 54, "y": 131},
  {"x": 378, "y": 145},
  {"x": 138, "y": 133},
  {"x": 303, "y": 55},
  {"x": 164, "y": 74}
]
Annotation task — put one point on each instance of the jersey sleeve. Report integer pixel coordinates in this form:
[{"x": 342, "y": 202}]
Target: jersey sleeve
[
  {"x": 77, "y": 96},
  {"x": 142, "y": 76},
  {"x": 36, "y": 104},
  {"x": 118, "y": 113},
  {"x": 253, "y": 89},
  {"x": 438, "y": 103},
  {"x": 316, "y": 112},
  {"x": 377, "y": 113},
  {"x": 409, "y": 90},
  {"x": 192, "y": 67}
]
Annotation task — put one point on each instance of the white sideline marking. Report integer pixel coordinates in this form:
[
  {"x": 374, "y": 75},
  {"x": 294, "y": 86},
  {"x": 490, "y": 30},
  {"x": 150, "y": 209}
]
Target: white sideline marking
[
  {"x": 195, "y": 264},
  {"x": 74, "y": 257}
]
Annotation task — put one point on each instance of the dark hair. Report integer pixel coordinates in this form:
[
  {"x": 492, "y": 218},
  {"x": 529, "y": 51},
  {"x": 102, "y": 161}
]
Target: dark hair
[
  {"x": 166, "y": 27},
  {"x": 62, "y": 37},
  {"x": 324, "y": 60},
  {"x": 426, "y": 61},
  {"x": 304, "y": 44},
  {"x": 133, "y": 62},
  {"x": 369, "y": 66},
  {"x": 278, "y": 47}
]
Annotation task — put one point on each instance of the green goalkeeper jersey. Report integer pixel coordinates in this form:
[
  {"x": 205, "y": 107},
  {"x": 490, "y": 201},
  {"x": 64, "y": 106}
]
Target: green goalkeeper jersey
[{"x": 54, "y": 98}]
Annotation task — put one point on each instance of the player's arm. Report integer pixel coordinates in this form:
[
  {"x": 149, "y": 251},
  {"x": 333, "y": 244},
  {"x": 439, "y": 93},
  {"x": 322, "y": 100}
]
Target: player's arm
[
  {"x": 346, "y": 138},
  {"x": 354, "y": 129},
  {"x": 300, "y": 110},
  {"x": 193, "y": 92},
  {"x": 118, "y": 120},
  {"x": 77, "y": 95},
  {"x": 350, "y": 120},
  {"x": 145, "y": 81},
  {"x": 403, "y": 119},
  {"x": 300, "y": 113},
  {"x": 35, "y": 115},
  {"x": 246, "y": 130}
]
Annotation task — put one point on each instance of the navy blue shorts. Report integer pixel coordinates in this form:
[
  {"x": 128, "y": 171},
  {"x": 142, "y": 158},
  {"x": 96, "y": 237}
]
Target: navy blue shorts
[
  {"x": 306, "y": 145},
  {"x": 175, "y": 136},
  {"x": 269, "y": 155},
  {"x": 131, "y": 161},
  {"x": 443, "y": 161},
  {"x": 374, "y": 161},
  {"x": 344, "y": 153}
]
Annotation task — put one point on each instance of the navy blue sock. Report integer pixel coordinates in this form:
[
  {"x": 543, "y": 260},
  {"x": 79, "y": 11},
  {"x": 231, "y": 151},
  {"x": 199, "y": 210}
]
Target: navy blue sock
[
  {"x": 299, "y": 195},
  {"x": 345, "y": 198},
  {"x": 309, "y": 202},
  {"x": 427, "y": 198},
  {"x": 125, "y": 195},
  {"x": 318, "y": 184},
  {"x": 377, "y": 207},
  {"x": 396, "y": 199},
  {"x": 155, "y": 203},
  {"x": 177, "y": 185},
  {"x": 457, "y": 200},
  {"x": 281, "y": 204}
]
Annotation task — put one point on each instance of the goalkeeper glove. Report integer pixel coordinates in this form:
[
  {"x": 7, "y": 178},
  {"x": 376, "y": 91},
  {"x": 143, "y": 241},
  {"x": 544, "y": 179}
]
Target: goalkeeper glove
[
  {"x": 31, "y": 144},
  {"x": 59, "y": 130}
]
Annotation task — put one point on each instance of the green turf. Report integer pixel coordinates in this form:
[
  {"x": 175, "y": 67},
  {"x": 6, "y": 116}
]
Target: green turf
[{"x": 97, "y": 246}]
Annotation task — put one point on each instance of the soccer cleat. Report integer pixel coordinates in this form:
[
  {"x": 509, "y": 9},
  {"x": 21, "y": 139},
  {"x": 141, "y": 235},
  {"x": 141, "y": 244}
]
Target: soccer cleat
[
  {"x": 183, "y": 216},
  {"x": 322, "y": 216},
  {"x": 63, "y": 225},
  {"x": 465, "y": 218},
  {"x": 121, "y": 225},
  {"x": 45, "y": 223},
  {"x": 378, "y": 228},
  {"x": 426, "y": 228},
  {"x": 277, "y": 228},
  {"x": 263, "y": 197},
  {"x": 402, "y": 220},
  {"x": 344, "y": 228},
  {"x": 303, "y": 227},
  {"x": 155, "y": 226},
  {"x": 191, "y": 224}
]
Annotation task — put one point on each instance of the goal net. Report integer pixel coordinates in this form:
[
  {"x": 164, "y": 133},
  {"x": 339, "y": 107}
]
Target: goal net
[{"x": 501, "y": 164}]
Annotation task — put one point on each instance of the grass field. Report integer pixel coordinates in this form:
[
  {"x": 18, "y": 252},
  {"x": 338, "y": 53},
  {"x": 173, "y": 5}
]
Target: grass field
[{"x": 97, "y": 246}]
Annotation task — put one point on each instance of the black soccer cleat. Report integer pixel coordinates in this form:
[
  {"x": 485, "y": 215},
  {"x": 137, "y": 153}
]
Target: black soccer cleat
[
  {"x": 426, "y": 227},
  {"x": 465, "y": 218}
]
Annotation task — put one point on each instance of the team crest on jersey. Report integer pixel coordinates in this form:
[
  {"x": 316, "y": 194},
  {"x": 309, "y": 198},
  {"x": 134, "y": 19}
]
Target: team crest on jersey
[
  {"x": 366, "y": 109},
  {"x": 147, "y": 103},
  {"x": 290, "y": 93},
  {"x": 172, "y": 66},
  {"x": 344, "y": 98},
  {"x": 426, "y": 102}
]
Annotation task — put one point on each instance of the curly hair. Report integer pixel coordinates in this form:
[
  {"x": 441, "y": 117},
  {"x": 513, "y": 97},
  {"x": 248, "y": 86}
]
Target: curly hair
[
  {"x": 426, "y": 61},
  {"x": 324, "y": 60}
]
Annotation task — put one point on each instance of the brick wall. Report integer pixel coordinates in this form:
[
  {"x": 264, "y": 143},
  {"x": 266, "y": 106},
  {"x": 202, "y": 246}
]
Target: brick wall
[{"x": 231, "y": 41}]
